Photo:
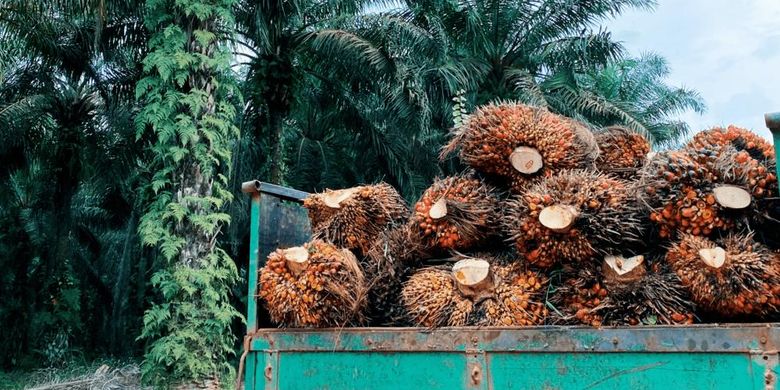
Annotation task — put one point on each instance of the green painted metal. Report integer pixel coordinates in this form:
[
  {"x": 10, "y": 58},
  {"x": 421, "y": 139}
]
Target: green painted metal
[
  {"x": 254, "y": 258},
  {"x": 738, "y": 356},
  {"x": 773, "y": 123}
]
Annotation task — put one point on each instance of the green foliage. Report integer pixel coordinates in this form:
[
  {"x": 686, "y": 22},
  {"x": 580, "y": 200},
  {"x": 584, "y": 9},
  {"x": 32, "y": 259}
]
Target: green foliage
[{"x": 189, "y": 121}]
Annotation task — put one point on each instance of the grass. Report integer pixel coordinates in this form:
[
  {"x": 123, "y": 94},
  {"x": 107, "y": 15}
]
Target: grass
[{"x": 102, "y": 374}]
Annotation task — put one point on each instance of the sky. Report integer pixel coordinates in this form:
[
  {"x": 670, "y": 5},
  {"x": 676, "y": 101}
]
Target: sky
[{"x": 728, "y": 50}]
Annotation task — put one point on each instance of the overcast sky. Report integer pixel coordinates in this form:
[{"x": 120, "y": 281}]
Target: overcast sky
[{"x": 728, "y": 50}]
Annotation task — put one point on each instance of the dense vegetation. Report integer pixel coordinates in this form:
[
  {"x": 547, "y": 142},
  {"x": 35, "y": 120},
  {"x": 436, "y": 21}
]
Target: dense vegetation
[{"x": 127, "y": 126}]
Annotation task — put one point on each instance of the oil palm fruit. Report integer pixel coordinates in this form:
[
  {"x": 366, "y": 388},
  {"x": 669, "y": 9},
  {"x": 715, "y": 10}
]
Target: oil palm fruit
[{"x": 314, "y": 285}]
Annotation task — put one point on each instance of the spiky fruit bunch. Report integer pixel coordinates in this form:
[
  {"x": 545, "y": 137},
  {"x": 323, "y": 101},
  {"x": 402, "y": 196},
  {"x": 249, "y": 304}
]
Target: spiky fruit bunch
[
  {"x": 572, "y": 216},
  {"x": 456, "y": 212},
  {"x": 354, "y": 217},
  {"x": 733, "y": 276},
  {"x": 735, "y": 137},
  {"x": 520, "y": 143},
  {"x": 701, "y": 191},
  {"x": 623, "y": 152},
  {"x": 622, "y": 291},
  {"x": 475, "y": 292},
  {"x": 518, "y": 299},
  {"x": 432, "y": 300},
  {"x": 389, "y": 262},
  {"x": 316, "y": 285}
]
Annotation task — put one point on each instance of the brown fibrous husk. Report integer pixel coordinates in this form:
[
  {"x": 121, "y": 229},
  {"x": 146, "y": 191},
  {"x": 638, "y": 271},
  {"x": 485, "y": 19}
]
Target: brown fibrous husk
[
  {"x": 471, "y": 213},
  {"x": 387, "y": 264},
  {"x": 359, "y": 219},
  {"x": 490, "y": 135},
  {"x": 329, "y": 291},
  {"x": 623, "y": 152},
  {"x": 746, "y": 286},
  {"x": 607, "y": 218},
  {"x": 432, "y": 298}
]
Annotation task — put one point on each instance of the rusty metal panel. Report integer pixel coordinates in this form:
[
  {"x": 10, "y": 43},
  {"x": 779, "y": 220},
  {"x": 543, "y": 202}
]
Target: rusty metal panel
[{"x": 708, "y": 338}]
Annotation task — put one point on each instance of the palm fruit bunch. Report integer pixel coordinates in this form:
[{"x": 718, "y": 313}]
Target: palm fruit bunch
[
  {"x": 352, "y": 218},
  {"x": 623, "y": 152},
  {"x": 699, "y": 191},
  {"x": 622, "y": 291},
  {"x": 456, "y": 212},
  {"x": 572, "y": 216},
  {"x": 389, "y": 261},
  {"x": 520, "y": 143},
  {"x": 733, "y": 276},
  {"x": 475, "y": 292},
  {"x": 314, "y": 285},
  {"x": 719, "y": 138}
]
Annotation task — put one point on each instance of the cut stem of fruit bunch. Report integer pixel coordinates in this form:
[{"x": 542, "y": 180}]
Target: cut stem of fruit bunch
[
  {"x": 558, "y": 218},
  {"x": 473, "y": 278},
  {"x": 526, "y": 160}
]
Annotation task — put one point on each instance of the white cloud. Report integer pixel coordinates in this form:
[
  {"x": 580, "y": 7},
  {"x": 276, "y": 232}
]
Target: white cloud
[{"x": 729, "y": 50}]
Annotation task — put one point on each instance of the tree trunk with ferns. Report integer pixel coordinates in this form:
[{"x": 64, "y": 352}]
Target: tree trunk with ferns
[{"x": 186, "y": 95}]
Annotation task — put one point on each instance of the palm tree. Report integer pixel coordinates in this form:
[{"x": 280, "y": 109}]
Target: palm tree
[
  {"x": 529, "y": 51},
  {"x": 635, "y": 88},
  {"x": 315, "y": 69},
  {"x": 65, "y": 103}
]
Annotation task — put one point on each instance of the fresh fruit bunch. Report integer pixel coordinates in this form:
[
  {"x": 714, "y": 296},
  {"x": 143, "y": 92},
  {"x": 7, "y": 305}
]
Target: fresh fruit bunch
[
  {"x": 699, "y": 191},
  {"x": 314, "y": 285},
  {"x": 456, "y": 212},
  {"x": 475, "y": 292},
  {"x": 738, "y": 138},
  {"x": 520, "y": 143},
  {"x": 390, "y": 261},
  {"x": 733, "y": 276},
  {"x": 354, "y": 217},
  {"x": 622, "y": 291},
  {"x": 623, "y": 152},
  {"x": 572, "y": 216}
]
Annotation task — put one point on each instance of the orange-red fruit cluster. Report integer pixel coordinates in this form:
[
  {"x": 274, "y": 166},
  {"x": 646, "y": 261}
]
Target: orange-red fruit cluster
[
  {"x": 359, "y": 219},
  {"x": 623, "y": 152},
  {"x": 330, "y": 291},
  {"x": 492, "y": 133},
  {"x": 678, "y": 186},
  {"x": 741, "y": 139},
  {"x": 607, "y": 217},
  {"x": 747, "y": 285},
  {"x": 470, "y": 216}
]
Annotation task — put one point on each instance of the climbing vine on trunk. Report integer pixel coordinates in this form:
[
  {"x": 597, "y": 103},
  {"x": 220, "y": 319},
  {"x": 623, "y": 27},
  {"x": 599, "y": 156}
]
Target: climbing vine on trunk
[{"x": 188, "y": 120}]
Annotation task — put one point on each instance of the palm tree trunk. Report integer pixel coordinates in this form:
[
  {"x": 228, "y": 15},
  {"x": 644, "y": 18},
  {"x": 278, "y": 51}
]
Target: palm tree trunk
[{"x": 275, "y": 125}]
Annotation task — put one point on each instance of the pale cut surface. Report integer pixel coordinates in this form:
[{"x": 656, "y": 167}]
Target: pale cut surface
[
  {"x": 297, "y": 259},
  {"x": 558, "y": 218},
  {"x": 713, "y": 257},
  {"x": 473, "y": 278},
  {"x": 732, "y": 197},
  {"x": 526, "y": 160},
  {"x": 622, "y": 265},
  {"x": 438, "y": 209},
  {"x": 333, "y": 199}
]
